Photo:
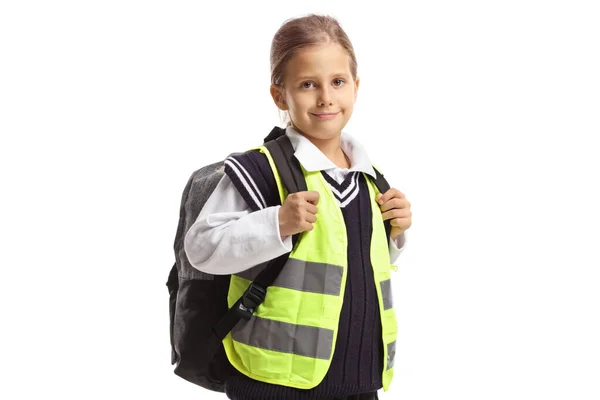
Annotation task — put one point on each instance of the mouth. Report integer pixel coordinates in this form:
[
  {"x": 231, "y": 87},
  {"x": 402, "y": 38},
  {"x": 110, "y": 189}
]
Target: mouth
[{"x": 325, "y": 115}]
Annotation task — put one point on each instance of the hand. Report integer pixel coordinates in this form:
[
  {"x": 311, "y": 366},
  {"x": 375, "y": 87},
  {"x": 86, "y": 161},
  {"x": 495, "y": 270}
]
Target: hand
[
  {"x": 298, "y": 213},
  {"x": 394, "y": 206}
]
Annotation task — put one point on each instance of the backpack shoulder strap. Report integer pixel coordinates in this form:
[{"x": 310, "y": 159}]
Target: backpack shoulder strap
[
  {"x": 290, "y": 171},
  {"x": 383, "y": 186}
]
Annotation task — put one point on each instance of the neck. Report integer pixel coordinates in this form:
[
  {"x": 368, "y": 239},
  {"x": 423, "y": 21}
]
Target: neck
[{"x": 332, "y": 150}]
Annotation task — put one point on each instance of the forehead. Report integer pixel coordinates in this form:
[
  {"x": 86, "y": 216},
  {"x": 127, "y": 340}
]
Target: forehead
[{"x": 319, "y": 60}]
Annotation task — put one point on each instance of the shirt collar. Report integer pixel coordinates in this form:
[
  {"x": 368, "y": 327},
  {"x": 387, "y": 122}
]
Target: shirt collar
[{"x": 312, "y": 159}]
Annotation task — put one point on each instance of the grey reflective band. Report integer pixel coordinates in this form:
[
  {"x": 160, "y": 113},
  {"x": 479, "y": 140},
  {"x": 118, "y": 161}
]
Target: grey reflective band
[
  {"x": 391, "y": 354},
  {"x": 280, "y": 336},
  {"x": 386, "y": 293},
  {"x": 304, "y": 275}
]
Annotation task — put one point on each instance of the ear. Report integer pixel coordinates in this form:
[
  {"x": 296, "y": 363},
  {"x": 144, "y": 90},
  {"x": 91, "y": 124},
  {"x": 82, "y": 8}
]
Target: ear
[
  {"x": 278, "y": 98},
  {"x": 356, "y": 88}
]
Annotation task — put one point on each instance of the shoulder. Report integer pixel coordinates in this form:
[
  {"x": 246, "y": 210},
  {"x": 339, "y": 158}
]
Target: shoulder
[
  {"x": 250, "y": 159},
  {"x": 252, "y": 176}
]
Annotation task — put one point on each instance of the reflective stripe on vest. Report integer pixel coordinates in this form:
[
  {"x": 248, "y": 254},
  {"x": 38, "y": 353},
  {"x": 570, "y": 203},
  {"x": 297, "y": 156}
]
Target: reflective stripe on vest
[
  {"x": 304, "y": 275},
  {"x": 290, "y": 338}
]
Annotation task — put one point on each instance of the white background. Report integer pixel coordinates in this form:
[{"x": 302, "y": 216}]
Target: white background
[{"x": 485, "y": 114}]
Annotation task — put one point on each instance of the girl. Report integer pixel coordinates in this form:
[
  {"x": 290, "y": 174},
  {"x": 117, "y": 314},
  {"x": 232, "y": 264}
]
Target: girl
[{"x": 243, "y": 225}]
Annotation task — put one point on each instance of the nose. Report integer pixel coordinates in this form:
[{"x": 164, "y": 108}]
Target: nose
[{"x": 325, "y": 97}]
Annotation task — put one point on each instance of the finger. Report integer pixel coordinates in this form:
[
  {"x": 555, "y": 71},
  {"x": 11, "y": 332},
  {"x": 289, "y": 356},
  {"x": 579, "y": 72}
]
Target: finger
[
  {"x": 311, "y": 208},
  {"x": 312, "y": 218},
  {"x": 391, "y": 193},
  {"x": 311, "y": 196},
  {"x": 397, "y": 222},
  {"x": 401, "y": 223},
  {"x": 394, "y": 213},
  {"x": 306, "y": 226},
  {"x": 394, "y": 203}
]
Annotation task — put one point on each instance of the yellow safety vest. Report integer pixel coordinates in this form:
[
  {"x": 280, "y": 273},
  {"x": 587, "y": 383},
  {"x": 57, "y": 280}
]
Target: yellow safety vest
[{"x": 291, "y": 336}]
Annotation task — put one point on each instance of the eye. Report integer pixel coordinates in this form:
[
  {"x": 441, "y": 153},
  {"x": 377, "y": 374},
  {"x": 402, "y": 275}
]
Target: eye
[{"x": 303, "y": 84}]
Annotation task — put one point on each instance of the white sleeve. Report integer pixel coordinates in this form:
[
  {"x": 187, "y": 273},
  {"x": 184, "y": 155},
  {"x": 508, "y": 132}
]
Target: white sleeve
[
  {"x": 396, "y": 247},
  {"x": 228, "y": 238}
]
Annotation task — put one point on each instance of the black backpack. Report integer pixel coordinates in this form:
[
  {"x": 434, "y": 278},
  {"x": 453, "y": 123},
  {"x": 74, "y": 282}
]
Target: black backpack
[{"x": 199, "y": 315}]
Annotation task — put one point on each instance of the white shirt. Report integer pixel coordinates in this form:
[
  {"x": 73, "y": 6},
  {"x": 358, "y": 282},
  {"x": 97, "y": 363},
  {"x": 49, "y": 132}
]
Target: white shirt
[{"x": 228, "y": 238}]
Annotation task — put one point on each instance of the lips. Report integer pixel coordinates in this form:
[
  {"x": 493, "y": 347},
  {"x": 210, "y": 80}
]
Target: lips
[{"x": 323, "y": 114}]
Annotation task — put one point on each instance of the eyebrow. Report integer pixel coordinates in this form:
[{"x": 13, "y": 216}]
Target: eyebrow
[{"x": 344, "y": 74}]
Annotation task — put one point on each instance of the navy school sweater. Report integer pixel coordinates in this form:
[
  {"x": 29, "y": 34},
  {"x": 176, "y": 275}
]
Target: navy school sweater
[{"x": 357, "y": 361}]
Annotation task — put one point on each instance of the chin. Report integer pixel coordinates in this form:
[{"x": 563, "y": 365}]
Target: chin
[
  {"x": 324, "y": 133},
  {"x": 320, "y": 129}
]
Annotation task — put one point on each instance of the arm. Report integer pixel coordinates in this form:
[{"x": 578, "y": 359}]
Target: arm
[
  {"x": 396, "y": 247},
  {"x": 227, "y": 237},
  {"x": 396, "y": 208}
]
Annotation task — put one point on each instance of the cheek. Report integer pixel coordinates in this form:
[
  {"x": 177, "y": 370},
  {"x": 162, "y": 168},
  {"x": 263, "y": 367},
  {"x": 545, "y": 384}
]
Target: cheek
[
  {"x": 301, "y": 103},
  {"x": 348, "y": 106},
  {"x": 347, "y": 100}
]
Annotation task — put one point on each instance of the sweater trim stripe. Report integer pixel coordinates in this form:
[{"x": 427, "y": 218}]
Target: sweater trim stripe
[{"x": 244, "y": 178}]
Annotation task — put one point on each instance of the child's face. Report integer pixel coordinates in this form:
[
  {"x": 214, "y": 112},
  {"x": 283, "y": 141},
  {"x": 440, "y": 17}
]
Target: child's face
[{"x": 318, "y": 80}]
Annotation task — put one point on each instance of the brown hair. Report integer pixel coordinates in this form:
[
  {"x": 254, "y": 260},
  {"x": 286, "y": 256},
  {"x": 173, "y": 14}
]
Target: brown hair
[{"x": 297, "y": 33}]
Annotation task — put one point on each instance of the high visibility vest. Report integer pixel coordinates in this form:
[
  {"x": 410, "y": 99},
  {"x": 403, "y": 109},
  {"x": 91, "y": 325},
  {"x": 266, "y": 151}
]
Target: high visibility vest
[{"x": 291, "y": 336}]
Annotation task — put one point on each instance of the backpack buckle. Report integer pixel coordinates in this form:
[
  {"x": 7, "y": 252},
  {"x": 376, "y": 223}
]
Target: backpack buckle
[{"x": 252, "y": 298}]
